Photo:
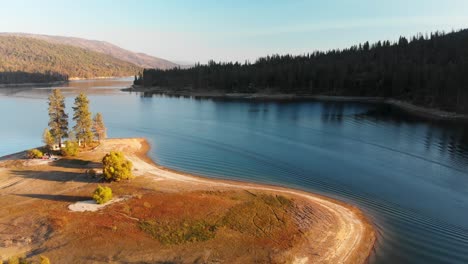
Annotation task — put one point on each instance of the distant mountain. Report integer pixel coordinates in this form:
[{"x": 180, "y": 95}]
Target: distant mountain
[
  {"x": 140, "y": 59},
  {"x": 24, "y": 59}
]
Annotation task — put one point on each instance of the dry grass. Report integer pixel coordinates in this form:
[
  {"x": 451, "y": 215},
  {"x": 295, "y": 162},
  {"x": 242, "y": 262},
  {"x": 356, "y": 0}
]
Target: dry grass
[
  {"x": 265, "y": 218},
  {"x": 180, "y": 232},
  {"x": 165, "y": 221}
]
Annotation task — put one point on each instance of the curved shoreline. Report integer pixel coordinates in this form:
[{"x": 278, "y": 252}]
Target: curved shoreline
[
  {"x": 335, "y": 232},
  {"x": 357, "y": 237}
]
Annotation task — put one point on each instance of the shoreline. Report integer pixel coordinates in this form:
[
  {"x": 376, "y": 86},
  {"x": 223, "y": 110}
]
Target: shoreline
[
  {"x": 420, "y": 111},
  {"x": 20, "y": 85},
  {"x": 350, "y": 235},
  {"x": 367, "y": 238},
  {"x": 97, "y": 78},
  {"x": 48, "y": 84}
]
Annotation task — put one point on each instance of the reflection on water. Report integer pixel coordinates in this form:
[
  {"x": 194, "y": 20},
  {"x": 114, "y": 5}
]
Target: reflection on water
[
  {"x": 409, "y": 175},
  {"x": 99, "y": 87}
]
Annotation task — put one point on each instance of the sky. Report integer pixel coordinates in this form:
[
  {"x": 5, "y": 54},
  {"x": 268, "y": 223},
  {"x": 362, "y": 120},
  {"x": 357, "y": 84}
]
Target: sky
[{"x": 237, "y": 30}]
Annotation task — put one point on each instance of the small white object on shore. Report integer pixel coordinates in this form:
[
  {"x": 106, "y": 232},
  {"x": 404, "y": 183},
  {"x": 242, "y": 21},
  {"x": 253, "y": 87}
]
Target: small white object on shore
[{"x": 91, "y": 205}]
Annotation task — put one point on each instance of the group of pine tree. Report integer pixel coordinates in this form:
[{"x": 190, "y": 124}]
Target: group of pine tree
[
  {"x": 427, "y": 70},
  {"x": 86, "y": 129}
]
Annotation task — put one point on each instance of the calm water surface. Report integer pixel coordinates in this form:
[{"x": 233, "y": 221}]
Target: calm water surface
[{"x": 410, "y": 176}]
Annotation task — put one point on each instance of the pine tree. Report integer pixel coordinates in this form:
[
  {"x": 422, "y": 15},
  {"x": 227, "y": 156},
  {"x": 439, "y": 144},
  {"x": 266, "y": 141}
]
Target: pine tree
[
  {"x": 48, "y": 139},
  {"x": 99, "y": 129},
  {"x": 82, "y": 117},
  {"x": 58, "y": 119}
]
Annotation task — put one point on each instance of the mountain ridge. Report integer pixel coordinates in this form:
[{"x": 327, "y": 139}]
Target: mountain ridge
[
  {"x": 25, "y": 60},
  {"x": 138, "y": 58}
]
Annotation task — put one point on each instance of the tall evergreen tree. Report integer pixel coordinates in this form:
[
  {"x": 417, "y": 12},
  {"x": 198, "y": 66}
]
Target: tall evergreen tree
[
  {"x": 82, "y": 117},
  {"x": 99, "y": 129},
  {"x": 58, "y": 119}
]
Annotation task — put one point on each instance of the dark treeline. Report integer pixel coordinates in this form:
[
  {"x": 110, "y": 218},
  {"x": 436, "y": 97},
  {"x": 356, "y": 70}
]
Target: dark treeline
[
  {"x": 17, "y": 77},
  {"x": 430, "y": 70}
]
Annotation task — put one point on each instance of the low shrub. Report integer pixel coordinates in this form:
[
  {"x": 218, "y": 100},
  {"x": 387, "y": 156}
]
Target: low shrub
[
  {"x": 70, "y": 149},
  {"x": 102, "y": 194},
  {"x": 34, "y": 154},
  {"x": 18, "y": 260},
  {"x": 44, "y": 260},
  {"x": 116, "y": 167}
]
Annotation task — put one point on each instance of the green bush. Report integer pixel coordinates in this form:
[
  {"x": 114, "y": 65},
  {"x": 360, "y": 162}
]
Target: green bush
[
  {"x": 70, "y": 149},
  {"x": 34, "y": 154},
  {"x": 116, "y": 167},
  {"x": 102, "y": 194}
]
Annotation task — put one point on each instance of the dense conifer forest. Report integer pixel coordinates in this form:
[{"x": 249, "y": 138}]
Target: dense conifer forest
[
  {"x": 427, "y": 70},
  {"x": 27, "y": 60},
  {"x": 28, "y": 77}
]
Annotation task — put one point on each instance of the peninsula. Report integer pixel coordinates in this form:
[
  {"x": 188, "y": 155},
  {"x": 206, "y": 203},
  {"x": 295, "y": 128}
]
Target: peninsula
[{"x": 167, "y": 216}]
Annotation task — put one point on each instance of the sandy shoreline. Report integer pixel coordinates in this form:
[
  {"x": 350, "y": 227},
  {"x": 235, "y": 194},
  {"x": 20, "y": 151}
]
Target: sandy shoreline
[
  {"x": 340, "y": 232},
  {"x": 357, "y": 236},
  {"x": 410, "y": 108}
]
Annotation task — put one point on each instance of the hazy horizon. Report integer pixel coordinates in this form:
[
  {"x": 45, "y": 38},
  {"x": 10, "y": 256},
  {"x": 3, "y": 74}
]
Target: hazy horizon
[{"x": 192, "y": 32}]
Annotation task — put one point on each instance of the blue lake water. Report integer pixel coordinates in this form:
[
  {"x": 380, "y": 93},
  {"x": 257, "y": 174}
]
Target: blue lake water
[{"x": 410, "y": 176}]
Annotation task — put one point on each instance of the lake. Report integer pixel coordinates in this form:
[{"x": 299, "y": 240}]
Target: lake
[{"x": 410, "y": 176}]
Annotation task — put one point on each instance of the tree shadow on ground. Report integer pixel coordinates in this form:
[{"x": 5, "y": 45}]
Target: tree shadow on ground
[
  {"x": 76, "y": 164},
  {"x": 56, "y": 176},
  {"x": 58, "y": 198}
]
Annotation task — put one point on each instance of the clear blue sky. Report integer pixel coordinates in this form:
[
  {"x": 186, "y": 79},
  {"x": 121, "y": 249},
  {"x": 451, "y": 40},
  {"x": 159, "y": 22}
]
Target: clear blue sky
[{"x": 232, "y": 30}]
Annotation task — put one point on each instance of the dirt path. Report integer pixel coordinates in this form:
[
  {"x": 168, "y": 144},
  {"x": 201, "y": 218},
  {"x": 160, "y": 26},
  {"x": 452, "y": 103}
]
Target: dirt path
[{"x": 353, "y": 236}]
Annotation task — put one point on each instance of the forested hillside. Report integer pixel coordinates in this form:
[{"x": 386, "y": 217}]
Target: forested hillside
[
  {"x": 429, "y": 70},
  {"x": 139, "y": 59},
  {"x": 32, "y": 60}
]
